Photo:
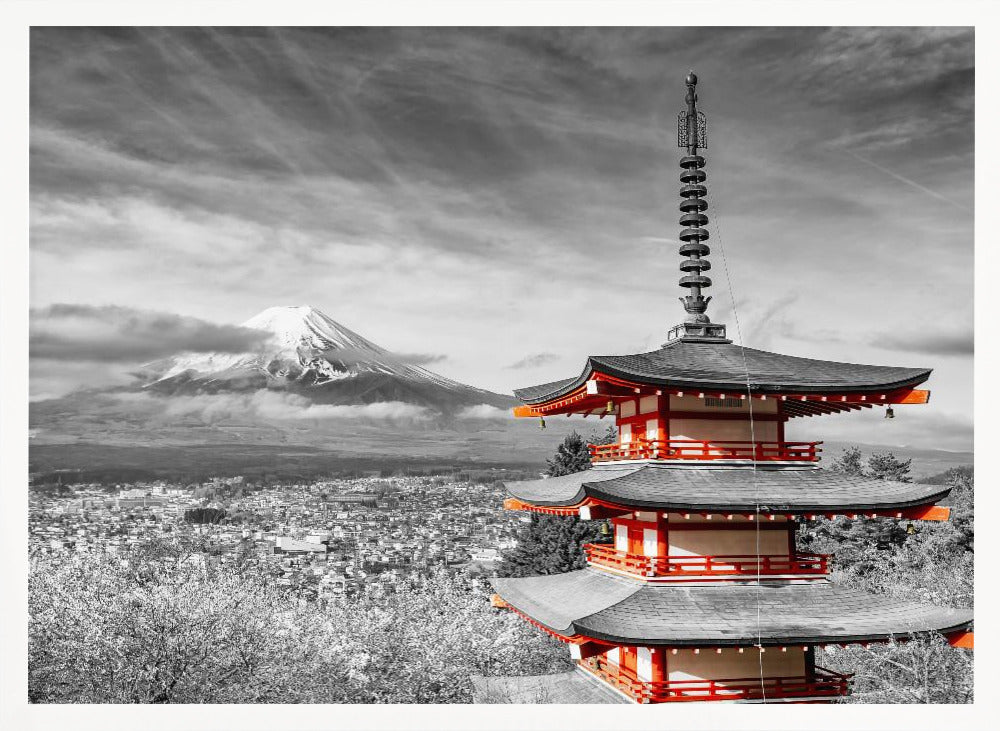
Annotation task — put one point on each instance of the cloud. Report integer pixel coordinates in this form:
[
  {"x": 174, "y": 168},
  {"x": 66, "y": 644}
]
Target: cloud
[
  {"x": 113, "y": 334},
  {"x": 271, "y": 406},
  {"x": 912, "y": 426},
  {"x": 351, "y": 356},
  {"x": 435, "y": 185},
  {"x": 420, "y": 359},
  {"x": 762, "y": 327},
  {"x": 534, "y": 361},
  {"x": 484, "y": 411},
  {"x": 960, "y": 343}
]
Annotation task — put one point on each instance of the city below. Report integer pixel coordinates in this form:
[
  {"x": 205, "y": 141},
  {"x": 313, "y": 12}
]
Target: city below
[{"x": 321, "y": 540}]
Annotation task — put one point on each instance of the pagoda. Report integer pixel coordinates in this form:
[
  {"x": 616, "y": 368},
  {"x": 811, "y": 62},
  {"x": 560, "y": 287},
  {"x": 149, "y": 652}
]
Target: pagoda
[{"x": 702, "y": 595}]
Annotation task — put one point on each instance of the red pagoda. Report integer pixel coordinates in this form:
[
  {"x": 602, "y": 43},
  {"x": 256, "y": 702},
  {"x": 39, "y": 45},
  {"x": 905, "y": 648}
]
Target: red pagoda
[{"x": 702, "y": 595}]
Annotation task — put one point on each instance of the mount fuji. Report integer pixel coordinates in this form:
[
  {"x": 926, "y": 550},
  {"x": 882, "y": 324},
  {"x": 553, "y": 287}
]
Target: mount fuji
[{"x": 309, "y": 354}]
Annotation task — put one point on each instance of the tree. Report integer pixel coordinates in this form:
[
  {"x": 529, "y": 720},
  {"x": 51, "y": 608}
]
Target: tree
[
  {"x": 922, "y": 669},
  {"x": 553, "y": 544},
  {"x": 571, "y": 456},
  {"x": 931, "y": 563},
  {"x": 608, "y": 436},
  {"x": 204, "y": 515},
  {"x": 849, "y": 462},
  {"x": 549, "y": 544},
  {"x": 856, "y": 542},
  {"x": 103, "y": 632},
  {"x": 885, "y": 466}
]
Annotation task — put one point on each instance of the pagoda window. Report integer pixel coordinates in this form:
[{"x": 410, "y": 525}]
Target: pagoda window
[
  {"x": 729, "y": 430},
  {"x": 725, "y": 403},
  {"x": 621, "y": 538},
  {"x": 644, "y": 663},
  {"x": 648, "y": 404},
  {"x": 614, "y": 656},
  {"x": 727, "y": 542},
  {"x": 710, "y": 665},
  {"x": 627, "y": 408},
  {"x": 653, "y": 429},
  {"x": 650, "y": 541},
  {"x": 625, "y": 433}
]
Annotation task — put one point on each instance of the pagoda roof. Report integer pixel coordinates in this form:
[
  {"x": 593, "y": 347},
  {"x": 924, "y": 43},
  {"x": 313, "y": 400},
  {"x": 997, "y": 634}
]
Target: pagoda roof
[
  {"x": 602, "y": 606},
  {"x": 725, "y": 489},
  {"x": 721, "y": 366}
]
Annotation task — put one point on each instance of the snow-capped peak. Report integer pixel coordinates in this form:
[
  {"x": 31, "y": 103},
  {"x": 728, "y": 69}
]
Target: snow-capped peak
[
  {"x": 304, "y": 345},
  {"x": 292, "y": 328}
]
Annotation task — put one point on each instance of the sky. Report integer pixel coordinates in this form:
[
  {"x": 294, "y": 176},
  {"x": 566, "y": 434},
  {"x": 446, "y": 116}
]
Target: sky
[{"x": 504, "y": 201}]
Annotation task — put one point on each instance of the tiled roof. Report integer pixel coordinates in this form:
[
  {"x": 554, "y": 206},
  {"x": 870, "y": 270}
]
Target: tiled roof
[
  {"x": 592, "y": 603},
  {"x": 726, "y": 488},
  {"x": 721, "y": 365}
]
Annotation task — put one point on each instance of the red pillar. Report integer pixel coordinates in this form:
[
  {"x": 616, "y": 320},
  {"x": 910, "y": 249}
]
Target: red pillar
[{"x": 659, "y": 664}]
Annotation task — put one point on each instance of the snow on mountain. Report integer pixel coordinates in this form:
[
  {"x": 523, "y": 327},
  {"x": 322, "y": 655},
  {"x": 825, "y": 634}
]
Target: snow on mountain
[{"x": 314, "y": 355}]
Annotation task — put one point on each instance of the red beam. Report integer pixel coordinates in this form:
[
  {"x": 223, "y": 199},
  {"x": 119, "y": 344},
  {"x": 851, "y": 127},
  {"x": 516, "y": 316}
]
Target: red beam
[
  {"x": 961, "y": 639},
  {"x": 525, "y": 412},
  {"x": 927, "y": 512}
]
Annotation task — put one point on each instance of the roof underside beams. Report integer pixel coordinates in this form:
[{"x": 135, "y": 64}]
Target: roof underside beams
[
  {"x": 591, "y": 398},
  {"x": 591, "y": 509}
]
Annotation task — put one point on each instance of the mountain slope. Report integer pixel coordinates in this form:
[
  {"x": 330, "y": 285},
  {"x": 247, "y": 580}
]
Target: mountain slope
[{"x": 312, "y": 355}]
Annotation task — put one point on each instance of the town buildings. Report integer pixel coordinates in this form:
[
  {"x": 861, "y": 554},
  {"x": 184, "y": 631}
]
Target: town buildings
[{"x": 323, "y": 540}]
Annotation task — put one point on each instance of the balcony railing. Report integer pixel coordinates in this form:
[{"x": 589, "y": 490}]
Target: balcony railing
[
  {"x": 706, "y": 450},
  {"x": 823, "y": 683},
  {"x": 810, "y": 564}
]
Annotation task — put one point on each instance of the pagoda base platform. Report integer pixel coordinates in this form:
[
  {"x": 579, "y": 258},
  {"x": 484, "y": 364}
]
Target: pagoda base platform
[{"x": 576, "y": 686}]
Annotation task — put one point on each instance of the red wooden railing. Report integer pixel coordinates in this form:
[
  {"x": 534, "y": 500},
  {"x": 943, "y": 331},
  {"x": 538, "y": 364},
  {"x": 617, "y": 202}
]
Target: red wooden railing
[
  {"x": 823, "y": 683},
  {"x": 815, "y": 564},
  {"x": 706, "y": 450}
]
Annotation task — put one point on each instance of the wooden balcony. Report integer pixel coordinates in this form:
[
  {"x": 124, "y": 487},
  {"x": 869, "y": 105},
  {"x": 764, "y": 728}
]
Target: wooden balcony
[
  {"x": 822, "y": 684},
  {"x": 812, "y": 565},
  {"x": 692, "y": 449}
]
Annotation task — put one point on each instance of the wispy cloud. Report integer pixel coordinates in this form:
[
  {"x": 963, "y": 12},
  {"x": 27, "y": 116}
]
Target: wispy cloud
[
  {"x": 420, "y": 359},
  {"x": 912, "y": 183},
  {"x": 534, "y": 361},
  {"x": 934, "y": 342}
]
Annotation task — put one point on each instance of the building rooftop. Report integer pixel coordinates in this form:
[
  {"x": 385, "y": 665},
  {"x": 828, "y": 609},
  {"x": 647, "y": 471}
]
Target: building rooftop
[
  {"x": 616, "y": 609},
  {"x": 709, "y": 365},
  {"x": 733, "y": 489}
]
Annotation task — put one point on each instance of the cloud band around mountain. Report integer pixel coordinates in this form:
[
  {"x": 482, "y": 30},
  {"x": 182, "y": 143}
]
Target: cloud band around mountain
[
  {"x": 269, "y": 405},
  {"x": 115, "y": 334}
]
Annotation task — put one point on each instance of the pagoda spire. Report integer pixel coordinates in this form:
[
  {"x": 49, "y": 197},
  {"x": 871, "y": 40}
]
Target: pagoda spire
[{"x": 691, "y": 133}]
